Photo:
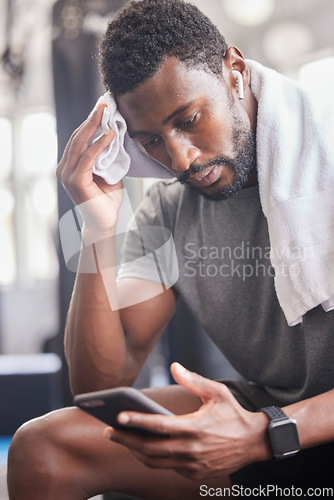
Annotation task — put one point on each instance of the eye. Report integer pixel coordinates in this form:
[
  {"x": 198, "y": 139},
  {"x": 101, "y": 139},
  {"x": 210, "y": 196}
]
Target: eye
[
  {"x": 148, "y": 144},
  {"x": 190, "y": 121}
]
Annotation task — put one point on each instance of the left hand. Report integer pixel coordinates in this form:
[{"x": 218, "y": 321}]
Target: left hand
[{"x": 218, "y": 439}]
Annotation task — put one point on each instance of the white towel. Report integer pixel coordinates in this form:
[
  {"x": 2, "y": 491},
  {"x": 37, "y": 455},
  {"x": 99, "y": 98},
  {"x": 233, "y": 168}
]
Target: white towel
[
  {"x": 295, "y": 161},
  {"x": 122, "y": 157}
]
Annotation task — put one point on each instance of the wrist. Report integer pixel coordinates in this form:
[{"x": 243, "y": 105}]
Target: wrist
[
  {"x": 91, "y": 235},
  {"x": 262, "y": 446},
  {"x": 283, "y": 432},
  {"x": 97, "y": 250}
]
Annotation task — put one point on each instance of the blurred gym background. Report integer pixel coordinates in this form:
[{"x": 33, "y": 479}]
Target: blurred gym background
[{"x": 49, "y": 83}]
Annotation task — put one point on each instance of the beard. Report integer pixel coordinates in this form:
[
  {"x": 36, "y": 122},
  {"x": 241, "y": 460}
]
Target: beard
[{"x": 241, "y": 164}]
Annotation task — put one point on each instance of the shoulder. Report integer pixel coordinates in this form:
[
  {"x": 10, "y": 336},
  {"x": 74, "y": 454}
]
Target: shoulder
[
  {"x": 165, "y": 203},
  {"x": 171, "y": 200},
  {"x": 165, "y": 190},
  {"x": 162, "y": 199}
]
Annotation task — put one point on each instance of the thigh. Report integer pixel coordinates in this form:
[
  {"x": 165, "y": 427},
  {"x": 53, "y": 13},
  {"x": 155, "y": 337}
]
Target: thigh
[{"x": 84, "y": 460}]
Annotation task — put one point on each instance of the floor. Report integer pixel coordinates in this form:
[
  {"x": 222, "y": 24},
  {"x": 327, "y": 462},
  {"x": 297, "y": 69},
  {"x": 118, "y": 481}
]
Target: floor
[
  {"x": 3, "y": 488},
  {"x": 4, "y": 443}
]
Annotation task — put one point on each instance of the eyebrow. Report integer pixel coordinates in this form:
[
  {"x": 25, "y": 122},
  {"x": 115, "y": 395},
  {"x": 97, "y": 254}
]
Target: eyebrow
[{"x": 165, "y": 121}]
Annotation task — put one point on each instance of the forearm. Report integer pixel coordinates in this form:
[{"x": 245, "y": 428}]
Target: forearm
[
  {"x": 314, "y": 418},
  {"x": 95, "y": 342},
  {"x": 315, "y": 423}
]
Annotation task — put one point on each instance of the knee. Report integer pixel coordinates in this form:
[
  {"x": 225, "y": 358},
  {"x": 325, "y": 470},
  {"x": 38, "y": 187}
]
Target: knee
[
  {"x": 28, "y": 448},
  {"x": 34, "y": 455}
]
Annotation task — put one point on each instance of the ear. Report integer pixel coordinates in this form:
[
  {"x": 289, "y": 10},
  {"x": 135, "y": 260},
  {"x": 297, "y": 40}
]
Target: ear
[{"x": 234, "y": 60}]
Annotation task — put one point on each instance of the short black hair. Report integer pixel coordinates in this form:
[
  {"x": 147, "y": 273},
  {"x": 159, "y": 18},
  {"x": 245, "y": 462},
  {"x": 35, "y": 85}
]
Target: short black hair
[{"x": 145, "y": 31}]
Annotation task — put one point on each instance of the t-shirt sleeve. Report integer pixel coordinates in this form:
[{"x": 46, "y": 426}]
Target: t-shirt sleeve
[{"x": 148, "y": 250}]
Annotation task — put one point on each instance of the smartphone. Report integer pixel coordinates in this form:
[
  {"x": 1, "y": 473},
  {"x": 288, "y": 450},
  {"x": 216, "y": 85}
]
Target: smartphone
[{"x": 106, "y": 405}]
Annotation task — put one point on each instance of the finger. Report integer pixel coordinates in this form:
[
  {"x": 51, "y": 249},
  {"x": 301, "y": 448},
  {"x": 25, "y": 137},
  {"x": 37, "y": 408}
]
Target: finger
[
  {"x": 96, "y": 114},
  {"x": 203, "y": 387},
  {"x": 79, "y": 140},
  {"x": 77, "y": 175},
  {"x": 159, "y": 454},
  {"x": 157, "y": 447},
  {"x": 68, "y": 145},
  {"x": 162, "y": 462},
  {"x": 92, "y": 152},
  {"x": 160, "y": 425},
  {"x": 136, "y": 442},
  {"x": 84, "y": 133}
]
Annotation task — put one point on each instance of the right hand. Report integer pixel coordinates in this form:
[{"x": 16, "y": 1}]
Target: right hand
[{"x": 97, "y": 201}]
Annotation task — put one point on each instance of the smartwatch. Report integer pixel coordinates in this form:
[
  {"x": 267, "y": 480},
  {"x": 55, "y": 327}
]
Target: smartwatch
[{"x": 283, "y": 432}]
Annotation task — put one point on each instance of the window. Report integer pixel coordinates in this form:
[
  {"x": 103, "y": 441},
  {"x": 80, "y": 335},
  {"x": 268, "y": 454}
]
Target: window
[
  {"x": 7, "y": 234},
  {"x": 28, "y": 198}
]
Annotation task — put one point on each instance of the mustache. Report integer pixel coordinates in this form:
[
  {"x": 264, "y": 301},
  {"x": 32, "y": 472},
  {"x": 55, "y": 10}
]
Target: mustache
[{"x": 199, "y": 168}]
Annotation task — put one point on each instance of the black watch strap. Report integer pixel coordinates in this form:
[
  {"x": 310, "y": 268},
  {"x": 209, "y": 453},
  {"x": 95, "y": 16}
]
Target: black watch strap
[{"x": 274, "y": 413}]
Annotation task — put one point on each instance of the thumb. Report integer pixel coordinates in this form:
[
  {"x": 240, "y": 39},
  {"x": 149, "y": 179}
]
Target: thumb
[{"x": 204, "y": 388}]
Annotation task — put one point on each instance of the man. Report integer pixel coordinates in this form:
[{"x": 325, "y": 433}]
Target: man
[{"x": 173, "y": 79}]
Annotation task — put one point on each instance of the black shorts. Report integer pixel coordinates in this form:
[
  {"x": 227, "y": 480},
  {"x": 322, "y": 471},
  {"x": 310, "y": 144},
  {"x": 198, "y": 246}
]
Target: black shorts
[{"x": 311, "y": 468}]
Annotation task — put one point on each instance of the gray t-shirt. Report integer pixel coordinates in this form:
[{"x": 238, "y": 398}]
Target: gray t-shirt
[{"x": 226, "y": 280}]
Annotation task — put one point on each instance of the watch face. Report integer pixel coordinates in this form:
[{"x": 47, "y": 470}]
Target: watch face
[{"x": 284, "y": 437}]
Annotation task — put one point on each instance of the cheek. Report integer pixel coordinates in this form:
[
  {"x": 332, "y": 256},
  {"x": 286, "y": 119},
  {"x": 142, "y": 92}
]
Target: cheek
[{"x": 218, "y": 138}]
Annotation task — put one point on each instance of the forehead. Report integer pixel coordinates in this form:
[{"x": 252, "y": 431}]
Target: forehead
[{"x": 172, "y": 86}]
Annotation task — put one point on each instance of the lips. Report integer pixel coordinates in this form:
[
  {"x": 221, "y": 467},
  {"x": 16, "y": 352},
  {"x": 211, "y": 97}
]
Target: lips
[{"x": 206, "y": 178}]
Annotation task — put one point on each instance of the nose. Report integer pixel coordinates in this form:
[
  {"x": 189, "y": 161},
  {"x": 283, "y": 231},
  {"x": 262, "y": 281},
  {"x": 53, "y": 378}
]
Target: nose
[{"x": 182, "y": 153}]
